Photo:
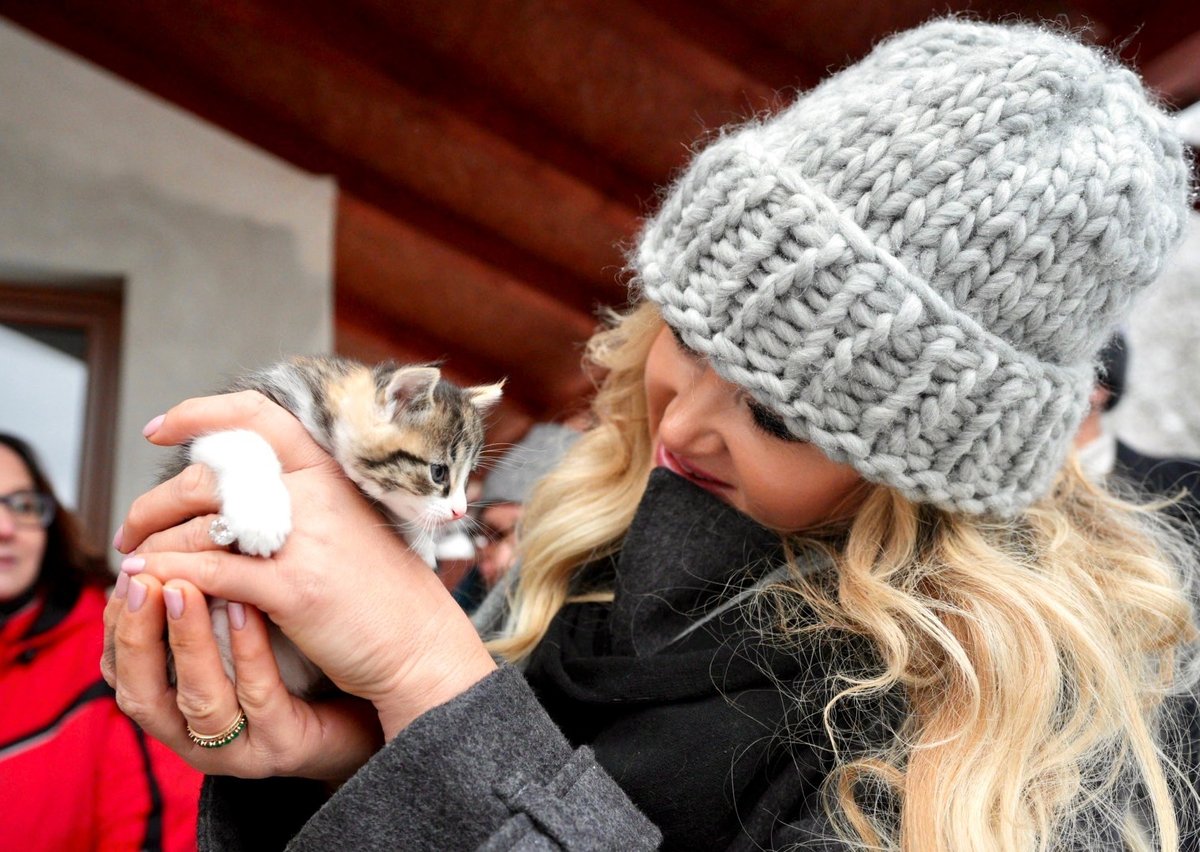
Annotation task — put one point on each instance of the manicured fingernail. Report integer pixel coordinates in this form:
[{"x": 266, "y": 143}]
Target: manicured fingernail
[
  {"x": 137, "y": 596},
  {"x": 118, "y": 536},
  {"x": 237, "y": 615},
  {"x": 173, "y": 599},
  {"x": 133, "y": 564},
  {"x": 152, "y": 427},
  {"x": 122, "y": 586}
]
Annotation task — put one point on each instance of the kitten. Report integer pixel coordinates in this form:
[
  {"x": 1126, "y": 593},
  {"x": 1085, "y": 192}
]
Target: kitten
[{"x": 407, "y": 439}]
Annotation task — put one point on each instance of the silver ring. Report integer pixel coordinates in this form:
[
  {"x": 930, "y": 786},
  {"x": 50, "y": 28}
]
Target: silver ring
[{"x": 220, "y": 533}]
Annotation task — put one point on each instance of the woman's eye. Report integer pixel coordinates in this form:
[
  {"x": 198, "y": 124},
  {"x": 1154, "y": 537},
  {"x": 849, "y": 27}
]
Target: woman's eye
[
  {"x": 439, "y": 473},
  {"x": 770, "y": 422}
]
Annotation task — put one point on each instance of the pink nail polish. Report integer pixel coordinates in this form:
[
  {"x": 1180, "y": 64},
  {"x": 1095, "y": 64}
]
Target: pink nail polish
[
  {"x": 137, "y": 596},
  {"x": 133, "y": 565},
  {"x": 173, "y": 600},
  {"x": 118, "y": 536},
  {"x": 152, "y": 427},
  {"x": 237, "y": 615},
  {"x": 122, "y": 586}
]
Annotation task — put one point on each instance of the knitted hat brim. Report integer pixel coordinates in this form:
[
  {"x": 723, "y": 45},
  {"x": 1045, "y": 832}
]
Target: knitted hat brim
[{"x": 864, "y": 359}]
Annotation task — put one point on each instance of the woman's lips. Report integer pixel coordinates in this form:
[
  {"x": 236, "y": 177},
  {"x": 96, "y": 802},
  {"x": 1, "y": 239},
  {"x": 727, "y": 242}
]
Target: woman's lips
[{"x": 665, "y": 458}]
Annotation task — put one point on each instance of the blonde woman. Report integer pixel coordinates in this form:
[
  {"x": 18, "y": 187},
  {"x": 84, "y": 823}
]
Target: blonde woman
[{"x": 824, "y": 575}]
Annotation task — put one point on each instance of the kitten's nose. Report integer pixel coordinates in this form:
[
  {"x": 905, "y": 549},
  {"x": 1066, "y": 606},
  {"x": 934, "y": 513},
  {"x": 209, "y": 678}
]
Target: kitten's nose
[{"x": 456, "y": 513}]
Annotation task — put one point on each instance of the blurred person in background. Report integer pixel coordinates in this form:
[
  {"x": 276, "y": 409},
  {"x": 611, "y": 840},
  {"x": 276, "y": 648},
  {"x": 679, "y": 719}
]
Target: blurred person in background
[
  {"x": 75, "y": 772},
  {"x": 1101, "y": 452},
  {"x": 505, "y": 492}
]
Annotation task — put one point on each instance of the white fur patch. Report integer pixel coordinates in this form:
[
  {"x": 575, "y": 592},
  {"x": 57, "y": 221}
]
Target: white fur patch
[{"x": 254, "y": 501}]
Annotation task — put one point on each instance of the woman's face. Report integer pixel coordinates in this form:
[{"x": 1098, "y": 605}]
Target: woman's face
[
  {"x": 21, "y": 543},
  {"x": 705, "y": 429}
]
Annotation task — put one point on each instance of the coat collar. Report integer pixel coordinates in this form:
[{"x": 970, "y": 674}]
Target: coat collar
[{"x": 685, "y": 553}]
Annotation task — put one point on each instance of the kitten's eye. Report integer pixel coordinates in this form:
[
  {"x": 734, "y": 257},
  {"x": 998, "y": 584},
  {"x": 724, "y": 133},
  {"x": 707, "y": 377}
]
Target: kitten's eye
[{"x": 439, "y": 473}]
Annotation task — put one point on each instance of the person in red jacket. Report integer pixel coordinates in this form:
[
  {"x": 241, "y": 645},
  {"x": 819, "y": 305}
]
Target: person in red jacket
[{"x": 75, "y": 772}]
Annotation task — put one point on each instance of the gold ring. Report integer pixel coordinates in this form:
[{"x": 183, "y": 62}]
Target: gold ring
[{"x": 224, "y": 738}]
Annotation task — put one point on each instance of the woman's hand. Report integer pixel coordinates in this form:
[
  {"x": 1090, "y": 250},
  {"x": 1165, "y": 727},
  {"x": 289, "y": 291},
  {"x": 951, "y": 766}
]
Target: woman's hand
[
  {"x": 283, "y": 736},
  {"x": 344, "y": 587}
]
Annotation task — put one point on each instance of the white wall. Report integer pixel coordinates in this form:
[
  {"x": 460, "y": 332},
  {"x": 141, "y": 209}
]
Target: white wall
[{"x": 226, "y": 252}]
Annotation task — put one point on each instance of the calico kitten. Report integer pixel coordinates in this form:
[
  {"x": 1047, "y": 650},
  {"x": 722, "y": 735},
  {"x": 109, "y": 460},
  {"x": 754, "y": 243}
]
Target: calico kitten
[{"x": 407, "y": 439}]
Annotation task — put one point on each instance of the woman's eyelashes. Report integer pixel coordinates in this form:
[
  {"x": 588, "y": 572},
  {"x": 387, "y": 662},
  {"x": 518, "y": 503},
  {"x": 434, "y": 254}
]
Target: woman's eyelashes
[
  {"x": 770, "y": 422},
  {"x": 764, "y": 418}
]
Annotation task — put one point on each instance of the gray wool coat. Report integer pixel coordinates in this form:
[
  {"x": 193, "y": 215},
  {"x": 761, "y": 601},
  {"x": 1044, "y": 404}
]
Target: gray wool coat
[{"x": 488, "y": 770}]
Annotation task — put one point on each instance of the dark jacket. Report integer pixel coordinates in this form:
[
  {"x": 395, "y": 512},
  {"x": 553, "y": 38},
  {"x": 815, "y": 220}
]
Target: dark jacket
[
  {"x": 688, "y": 728},
  {"x": 75, "y": 773},
  {"x": 630, "y": 728},
  {"x": 1163, "y": 477}
]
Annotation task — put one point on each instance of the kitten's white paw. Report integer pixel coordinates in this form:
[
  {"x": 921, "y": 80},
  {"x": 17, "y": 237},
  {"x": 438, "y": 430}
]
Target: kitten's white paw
[
  {"x": 254, "y": 502},
  {"x": 260, "y": 522}
]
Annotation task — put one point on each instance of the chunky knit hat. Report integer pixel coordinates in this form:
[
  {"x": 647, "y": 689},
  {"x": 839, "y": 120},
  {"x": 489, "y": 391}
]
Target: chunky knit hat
[{"x": 916, "y": 264}]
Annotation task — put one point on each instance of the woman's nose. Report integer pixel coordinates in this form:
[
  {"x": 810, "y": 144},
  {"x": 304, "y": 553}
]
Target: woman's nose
[
  {"x": 690, "y": 420},
  {"x": 8, "y": 522}
]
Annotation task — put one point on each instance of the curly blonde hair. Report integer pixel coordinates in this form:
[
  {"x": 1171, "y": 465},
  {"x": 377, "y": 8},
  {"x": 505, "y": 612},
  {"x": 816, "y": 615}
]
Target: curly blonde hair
[{"x": 1033, "y": 657}]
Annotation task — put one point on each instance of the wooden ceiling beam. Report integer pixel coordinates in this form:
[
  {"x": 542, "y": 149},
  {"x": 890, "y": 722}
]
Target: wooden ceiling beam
[
  {"x": 479, "y": 314},
  {"x": 274, "y": 65},
  {"x": 1145, "y": 31},
  {"x": 609, "y": 71},
  {"x": 360, "y": 336},
  {"x": 404, "y": 58},
  {"x": 848, "y": 30},
  {"x": 726, "y": 35},
  {"x": 1175, "y": 73},
  {"x": 828, "y": 36},
  {"x": 141, "y": 65}
]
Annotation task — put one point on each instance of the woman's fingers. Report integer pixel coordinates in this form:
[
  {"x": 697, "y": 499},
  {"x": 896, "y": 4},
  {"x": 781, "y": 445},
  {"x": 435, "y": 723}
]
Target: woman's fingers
[
  {"x": 219, "y": 573},
  {"x": 259, "y": 687},
  {"x": 330, "y": 740},
  {"x": 140, "y": 663},
  {"x": 192, "y": 492},
  {"x": 283, "y": 734},
  {"x": 204, "y": 692},
  {"x": 189, "y": 537},
  {"x": 243, "y": 410}
]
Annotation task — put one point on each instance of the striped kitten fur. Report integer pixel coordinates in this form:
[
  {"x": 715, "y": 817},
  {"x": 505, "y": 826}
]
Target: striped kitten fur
[{"x": 407, "y": 438}]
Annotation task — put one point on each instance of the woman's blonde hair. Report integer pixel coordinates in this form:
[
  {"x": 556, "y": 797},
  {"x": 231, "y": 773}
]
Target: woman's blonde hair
[{"x": 1032, "y": 657}]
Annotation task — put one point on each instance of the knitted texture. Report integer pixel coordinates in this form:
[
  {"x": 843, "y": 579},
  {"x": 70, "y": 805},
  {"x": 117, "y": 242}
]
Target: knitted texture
[{"x": 916, "y": 264}]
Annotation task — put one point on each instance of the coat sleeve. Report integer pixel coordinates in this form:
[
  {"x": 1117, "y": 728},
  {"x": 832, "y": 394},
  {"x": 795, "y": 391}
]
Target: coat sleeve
[{"x": 487, "y": 770}]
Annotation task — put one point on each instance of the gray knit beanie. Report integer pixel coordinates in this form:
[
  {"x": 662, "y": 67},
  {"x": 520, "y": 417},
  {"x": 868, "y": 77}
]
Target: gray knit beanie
[{"x": 916, "y": 264}]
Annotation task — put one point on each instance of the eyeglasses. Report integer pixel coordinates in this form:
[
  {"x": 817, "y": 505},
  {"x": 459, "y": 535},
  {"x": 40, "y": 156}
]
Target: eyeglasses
[{"x": 29, "y": 508}]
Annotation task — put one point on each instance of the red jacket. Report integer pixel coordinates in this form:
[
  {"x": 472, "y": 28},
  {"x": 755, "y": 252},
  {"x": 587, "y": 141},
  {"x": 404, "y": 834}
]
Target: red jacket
[{"x": 75, "y": 773}]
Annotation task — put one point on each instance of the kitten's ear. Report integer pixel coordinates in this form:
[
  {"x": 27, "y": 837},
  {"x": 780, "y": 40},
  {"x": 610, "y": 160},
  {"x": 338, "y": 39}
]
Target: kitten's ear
[
  {"x": 411, "y": 387},
  {"x": 484, "y": 397}
]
